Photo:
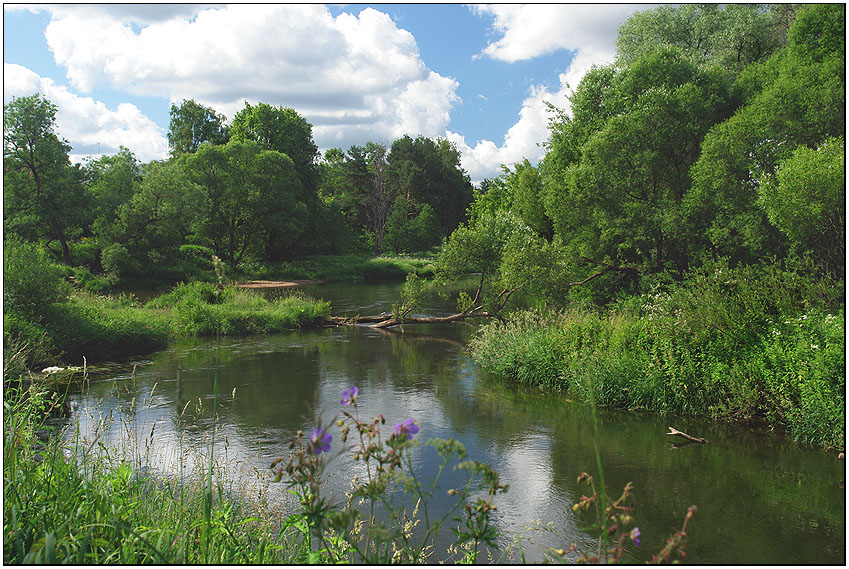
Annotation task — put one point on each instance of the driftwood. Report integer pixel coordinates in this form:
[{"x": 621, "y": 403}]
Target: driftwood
[
  {"x": 676, "y": 432},
  {"x": 386, "y": 321}
]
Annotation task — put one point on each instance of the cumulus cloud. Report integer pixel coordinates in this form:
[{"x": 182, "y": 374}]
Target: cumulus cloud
[
  {"x": 528, "y": 31},
  {"x": 531, "y": 30},
  {"x": 523, "y": 140},
  {"x": 90, "y": 126},
  {"x": 348, "y": 75}
]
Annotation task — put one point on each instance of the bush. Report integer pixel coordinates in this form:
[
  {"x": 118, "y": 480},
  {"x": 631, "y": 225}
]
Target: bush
[
  {"x": 31, "y": 282},
  {"x": 726, "y": 343}
]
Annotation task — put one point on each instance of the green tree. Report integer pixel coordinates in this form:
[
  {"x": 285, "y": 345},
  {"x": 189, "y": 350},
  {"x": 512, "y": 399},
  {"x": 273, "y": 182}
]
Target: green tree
[
  {"x": 251, "y": 193},
  {"x": 795, "y": 98},
  {"x": 43, "y": 194},
  {"x": 806, "y": 200},
  {"x": 192, "y": 124},
  {"x": 429, "y": 171},
  {"x": 31, "y": 281},
  {"x": 148, "y": 230},
  {"x": 283, "y": 130},
  {"x": 410, "y": 229},
  {"x": 730, "y": 35},
  {"x": 526, "y": 187},
  {"x": 615, "y": 191},
  {"x": 110, "y": 182}
]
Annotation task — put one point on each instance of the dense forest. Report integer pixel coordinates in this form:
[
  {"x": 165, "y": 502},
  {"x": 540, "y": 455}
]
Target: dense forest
[{"x": 706, "y": 163}]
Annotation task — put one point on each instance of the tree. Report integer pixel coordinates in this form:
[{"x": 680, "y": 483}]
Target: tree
[
  {"x": 428, "y": 171},
  {"x": 380, "y": 195},
  {"x": 282, "y": 130},
  {"x": 410, "y": 228},
  {"x": 110, "y": 182},
  {"x": 148, "y": 230},
  {"x": 731, "y": 35},
  {"x": 806, "y": 200},
  {"x": 796, "y": 98},
  {"x": 616, "y": 193},
  {"x": 192, "y": 124},
  {"x": 527, "y": 190},
  {"x": 250, "y": 193},
  {"x": 44, "y": 196}
]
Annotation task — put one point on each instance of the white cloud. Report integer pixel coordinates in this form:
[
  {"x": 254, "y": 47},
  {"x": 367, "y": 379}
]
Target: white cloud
[
  {"x": 348, "y": 75},
  {"x": 523, "y": 140},
  {"x": 90, "y": 126},
  {"x": 532, "y": 30}
]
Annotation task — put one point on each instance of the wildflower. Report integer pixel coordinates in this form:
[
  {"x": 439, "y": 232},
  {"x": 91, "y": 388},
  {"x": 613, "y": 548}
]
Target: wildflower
[
  {"x": 408, "y": 428},
  {"x": 350, "y": 395},
  {"x": 635, "y": 536},
  {"x": 814, "y": 346},
  {"x": 320, "y": 441}
]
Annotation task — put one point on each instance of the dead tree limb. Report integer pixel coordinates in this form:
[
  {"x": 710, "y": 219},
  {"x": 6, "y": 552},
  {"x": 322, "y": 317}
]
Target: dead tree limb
[{"x": 676, "y": 432}]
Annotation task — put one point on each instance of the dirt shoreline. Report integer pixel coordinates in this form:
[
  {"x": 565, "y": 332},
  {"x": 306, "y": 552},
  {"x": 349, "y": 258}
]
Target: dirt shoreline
[{"x": 277, "y": 284}]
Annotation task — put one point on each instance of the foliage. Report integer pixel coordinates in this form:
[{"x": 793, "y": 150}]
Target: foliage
[
  {"x": 248, "y": 192},
  {"x": 281, "y": 130},
  {"x": 31, "y": 281},
  {"x": 796, "y": 98},
  {"x": 807, "y": 201},
  {"x": 725, "y": 343},
  {"x": 409, "y": 229},
  {"x": 192, "y": 124},
  {"x": 43, "y": 196},
  {"x": 150, "y": 227},
  {"x": 731, "y": 35}
]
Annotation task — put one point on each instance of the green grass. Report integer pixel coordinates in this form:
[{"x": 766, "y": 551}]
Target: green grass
[
  {"x": 103, "y": 328},
  {"x": 730, "y": 344},
  {"x": 335, "y": 268},
  {"x": 75, "y": 503}
]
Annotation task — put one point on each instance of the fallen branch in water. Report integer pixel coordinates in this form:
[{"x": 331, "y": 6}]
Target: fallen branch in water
[
  {"x": 387, "y": 320},
  {"x": 676, "y": 432}
]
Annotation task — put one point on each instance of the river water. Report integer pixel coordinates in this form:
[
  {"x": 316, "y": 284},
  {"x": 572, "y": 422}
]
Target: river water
[{"x": 761, "y": 498}]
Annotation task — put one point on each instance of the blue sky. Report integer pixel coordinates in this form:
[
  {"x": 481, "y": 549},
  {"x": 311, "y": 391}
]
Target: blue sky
[{"x": 478, "y": 75}]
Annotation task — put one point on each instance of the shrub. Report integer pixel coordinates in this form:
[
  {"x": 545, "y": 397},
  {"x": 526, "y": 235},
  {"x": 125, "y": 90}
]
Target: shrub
[
  {"x": 726, "y": 343},
  {"x": 31, "y": 282}
]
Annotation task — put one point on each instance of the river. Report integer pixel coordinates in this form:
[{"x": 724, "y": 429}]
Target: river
[{"x": 761, "y": 498}]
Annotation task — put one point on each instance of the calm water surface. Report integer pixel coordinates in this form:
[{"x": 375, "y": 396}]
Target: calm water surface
[{"x": 761, "y": 499}]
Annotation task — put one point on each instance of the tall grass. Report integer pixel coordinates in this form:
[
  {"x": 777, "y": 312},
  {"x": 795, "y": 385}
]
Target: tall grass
[
  {"x": 85, "y": 503},
  {"x": 729, "y": 343},
  {"x": 103, "y": 328}
]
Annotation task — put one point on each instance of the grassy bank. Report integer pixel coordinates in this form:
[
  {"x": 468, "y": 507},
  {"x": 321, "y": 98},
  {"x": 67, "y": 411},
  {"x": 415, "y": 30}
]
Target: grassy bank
[
  {"x": 725, "y": 344},
  {"x": 74, "y": 503},
  {"x": 336, "y": 268},
  {"x": 102, "y": 328}
]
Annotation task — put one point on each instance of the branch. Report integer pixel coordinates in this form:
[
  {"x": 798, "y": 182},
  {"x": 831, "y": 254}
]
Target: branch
[{"x": 676, "y": 432}]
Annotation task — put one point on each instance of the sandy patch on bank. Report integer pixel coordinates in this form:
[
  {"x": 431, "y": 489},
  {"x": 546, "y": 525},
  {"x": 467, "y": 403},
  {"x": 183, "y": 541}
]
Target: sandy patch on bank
[{"x": 276, "y": 284}]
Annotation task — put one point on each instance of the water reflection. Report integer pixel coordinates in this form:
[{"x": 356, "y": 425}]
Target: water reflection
[{"x": 760, "y": 499}]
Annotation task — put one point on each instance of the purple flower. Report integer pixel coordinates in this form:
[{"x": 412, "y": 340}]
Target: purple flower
[
  {"x": 408, "y": 428},
  {"x": 349, "y": 395},
  {"x": 635, "y": 536},
  {"x": 320, "y": 441}
]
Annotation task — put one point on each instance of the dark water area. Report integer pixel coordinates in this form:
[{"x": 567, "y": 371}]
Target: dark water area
[{"x": 761, "y": 498}]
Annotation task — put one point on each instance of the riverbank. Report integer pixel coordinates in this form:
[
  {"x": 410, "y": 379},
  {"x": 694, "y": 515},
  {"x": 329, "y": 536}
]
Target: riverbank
[
  {"x": 102, "y": 328},
  {"x": 726, "y": 344},
  {"x": 92, "y": 507}
]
